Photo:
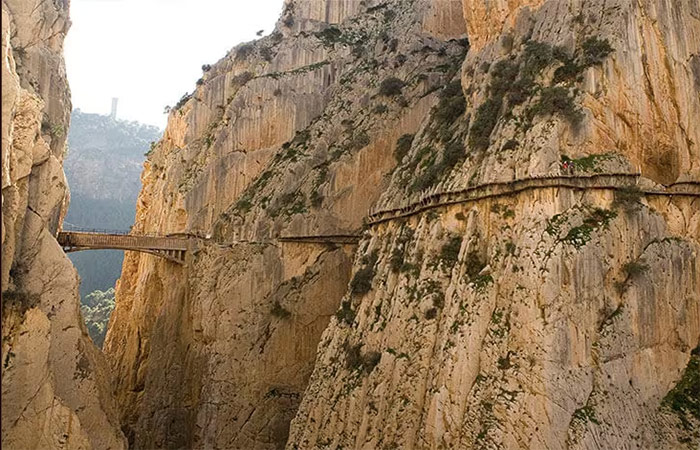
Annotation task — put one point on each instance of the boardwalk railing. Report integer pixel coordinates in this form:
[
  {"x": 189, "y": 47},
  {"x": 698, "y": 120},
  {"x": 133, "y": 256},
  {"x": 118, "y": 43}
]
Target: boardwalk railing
[
  {"x": 434, "y": 198},
  {"x": 171, "y": 248},
  {"x": 322, "y": 239}
]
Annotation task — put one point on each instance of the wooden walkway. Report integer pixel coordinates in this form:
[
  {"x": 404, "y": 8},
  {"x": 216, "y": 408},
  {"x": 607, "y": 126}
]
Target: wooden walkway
[
  {"x": 174, "y": 247},
  {"x": 436, "y": 199},
  {"x": 322, "y": 239},
  {"x": 170, "y": 248}
]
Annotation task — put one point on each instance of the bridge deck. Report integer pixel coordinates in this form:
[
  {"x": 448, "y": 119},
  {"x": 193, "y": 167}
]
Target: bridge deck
[
  {"x": 171, "y": 248},
  {"x": 127, "y": 242}
]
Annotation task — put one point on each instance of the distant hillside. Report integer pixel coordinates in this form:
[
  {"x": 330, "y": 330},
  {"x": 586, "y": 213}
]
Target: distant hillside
[{"x": 103, "y": 167}]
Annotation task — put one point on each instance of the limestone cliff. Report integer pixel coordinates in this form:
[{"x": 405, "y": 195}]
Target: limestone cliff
[
  {"x": 53, "y": 379},
  {"x": 530, "y": 277},
  {"x": 290, "y": 135}
]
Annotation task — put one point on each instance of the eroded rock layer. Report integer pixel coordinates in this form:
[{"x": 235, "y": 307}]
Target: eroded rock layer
[
  {"x": 290, "y": 135},
  {"x": 54, "y": 380}
]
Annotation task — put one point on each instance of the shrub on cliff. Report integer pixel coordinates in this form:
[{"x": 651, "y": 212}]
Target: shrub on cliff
[
  {"x": 279, "y": 311},
  {"x": 391, "y": 87},
  {"x": 345, "y": 314},
  {"x": 244, "y": 50},
  {"x": 449, "y": 253},
  {"x": 403, "y": 145},
  {"x": 242, "y": 78},
  {"x": 450, "y": 107},
  {"x": 362, "y": 281},
  {"x": 484, "y": 122},
  {"x": 684, "y": 398},
  {"x": 556, "y": 100},
  {"x": 356, "y": 360},
  {"x": 595, "y": 50}
]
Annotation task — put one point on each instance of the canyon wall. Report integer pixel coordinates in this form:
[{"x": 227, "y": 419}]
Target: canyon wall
[
  {"x": 558, "y": 311},
  {"x": 527, "y": 271},
  {"x": 290, "y": 135},
  {"x": 54, "y": 380}
]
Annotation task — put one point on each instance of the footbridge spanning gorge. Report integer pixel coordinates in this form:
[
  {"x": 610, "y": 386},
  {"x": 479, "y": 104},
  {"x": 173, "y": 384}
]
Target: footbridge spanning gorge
[{"x": 173, "y": 247}]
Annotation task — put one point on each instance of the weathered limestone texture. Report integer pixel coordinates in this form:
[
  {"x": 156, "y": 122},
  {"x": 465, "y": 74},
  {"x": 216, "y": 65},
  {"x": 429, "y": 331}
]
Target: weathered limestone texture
[
  {"x": 546, "y": 318},
  {"x": 54, "y": 381},
  {"x": 290, "y": 135}
]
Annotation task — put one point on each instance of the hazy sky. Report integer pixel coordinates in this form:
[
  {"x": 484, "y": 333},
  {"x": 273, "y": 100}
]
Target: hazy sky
[{"x": 150, "y": 52}]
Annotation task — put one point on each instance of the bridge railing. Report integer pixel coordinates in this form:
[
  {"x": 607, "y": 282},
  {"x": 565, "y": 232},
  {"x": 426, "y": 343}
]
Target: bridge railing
[{"x": 74, "y": 229}]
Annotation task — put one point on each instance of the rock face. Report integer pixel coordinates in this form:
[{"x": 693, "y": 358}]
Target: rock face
[
  {"x": 54, "y": 380},
  {"x": 291, "y": 135},
  {"x": 550, "y": 316},
  {"x": 528, "y": 278}
]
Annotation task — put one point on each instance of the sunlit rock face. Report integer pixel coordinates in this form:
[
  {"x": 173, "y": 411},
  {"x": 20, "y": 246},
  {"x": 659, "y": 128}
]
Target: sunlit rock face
[
  {"x": 552, "y": 317},
  {"x": 54, "y": 381},
  {"x": 293, "y": 134}
]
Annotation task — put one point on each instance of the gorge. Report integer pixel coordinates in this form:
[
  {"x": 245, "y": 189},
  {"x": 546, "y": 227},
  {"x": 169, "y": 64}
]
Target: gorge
[{"x": 419, "y": 224}]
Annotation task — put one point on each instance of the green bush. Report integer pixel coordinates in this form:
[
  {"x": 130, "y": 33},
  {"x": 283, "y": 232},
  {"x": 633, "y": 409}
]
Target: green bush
[
  {"x": 396, "y": 260},
  {"x": 380, "y": 109},
  {"x": 586, "y": 414},
  {"x": 316, "y": 199},
  {"x": 454, "y": 152},
  {"x": 484, "y": 122},
  {"x": 183, "y": 100},
  {"x": 449, "y": 253},
  {"x": 595, "y": 51},
  {"x": 360, "y": 141},
  {"x": 330, "y": 35},
  {"x": 397, "y": 254},
  {"x": 520, "y": 91},
  {"x": 391, "y": 87},
  {"x": 684, "y": 398},
  {"x": 629, "y": 198},
  {"x": 266, "y": 53},
  {"x": 510, "y": 145},
  {"x": 449, "y": 109},
  {"x": 581, "y": 235},
  {"x": 362, "y": 281},
  {"x": 279, "y": 311},
  {"x": 634, "y": 268},
  {"x": 355, "y": 360},
  {"x": 243, "y": 51},
  {"x": 473, "y": 265},
  {"x": 569, "y": 72},
  {"x": 242, "y": 78},
  {"x": 345, "y": 314},
  {"x": 451, "y": 89},
  {"x": 556, "y": 100},
  {"x": 403, "y": 145},
  {"x": 536, "y": 57},
  {"x": 503, "y": 75}
]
